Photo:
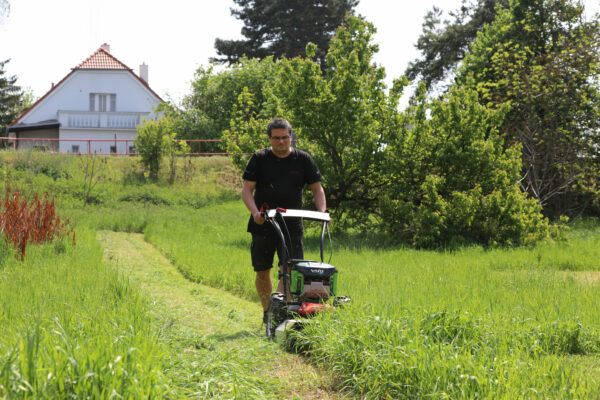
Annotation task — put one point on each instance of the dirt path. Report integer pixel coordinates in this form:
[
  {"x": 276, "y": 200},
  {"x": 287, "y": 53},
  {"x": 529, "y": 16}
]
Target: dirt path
[{"x": 215, "y": 316}]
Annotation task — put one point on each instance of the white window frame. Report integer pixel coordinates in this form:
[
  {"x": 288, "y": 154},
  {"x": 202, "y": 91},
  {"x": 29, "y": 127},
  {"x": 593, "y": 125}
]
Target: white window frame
[{"x": 103, "y": 102}]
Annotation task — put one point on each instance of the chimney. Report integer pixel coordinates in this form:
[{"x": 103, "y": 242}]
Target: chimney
[
  {"x": 144, "y": 72},
  {"x": 105, "y": 47}
]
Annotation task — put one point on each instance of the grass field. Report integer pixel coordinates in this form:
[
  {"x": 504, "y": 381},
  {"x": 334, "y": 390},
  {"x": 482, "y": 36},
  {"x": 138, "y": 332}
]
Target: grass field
[{"x": 459, "y": 323}]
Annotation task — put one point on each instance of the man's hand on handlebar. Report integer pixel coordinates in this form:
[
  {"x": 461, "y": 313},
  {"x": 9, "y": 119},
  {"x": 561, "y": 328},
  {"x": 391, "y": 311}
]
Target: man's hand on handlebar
[{"x": 259, "y": 219}]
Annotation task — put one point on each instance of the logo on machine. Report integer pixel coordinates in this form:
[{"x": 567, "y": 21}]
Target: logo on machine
[{"x": 317, "y": 271}]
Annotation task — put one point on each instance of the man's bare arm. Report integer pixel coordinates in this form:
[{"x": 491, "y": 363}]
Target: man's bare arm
[
  {"x": 247, "y": 190},
  {"x": 319, "y": 195}
]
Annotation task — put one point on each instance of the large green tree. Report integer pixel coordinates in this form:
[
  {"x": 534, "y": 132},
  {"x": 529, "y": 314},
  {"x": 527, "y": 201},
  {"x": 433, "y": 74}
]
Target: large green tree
[
  {"x": 11, "y": 98},
  {"x": 444, "y": 43},
  {"x": 434, "y": 175},
  {"x": 283, "y": 27},
  {"x": 206, "y": 112},
  {"x": 341, "y": 117},
  {"x": 541, "y": 58}
]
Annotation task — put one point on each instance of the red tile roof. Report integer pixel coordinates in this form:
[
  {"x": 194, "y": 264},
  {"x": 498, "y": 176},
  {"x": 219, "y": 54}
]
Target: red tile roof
[{"x": 101, "y": 59}]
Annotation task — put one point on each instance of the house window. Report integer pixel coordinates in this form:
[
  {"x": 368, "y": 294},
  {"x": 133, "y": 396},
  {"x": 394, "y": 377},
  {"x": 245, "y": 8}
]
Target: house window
[
  {"x": 113, "y": 149},
  {"x": 75, "y": 149},
  {"x": 103, "y": 102},
  {"x": 131, "y": 149}
]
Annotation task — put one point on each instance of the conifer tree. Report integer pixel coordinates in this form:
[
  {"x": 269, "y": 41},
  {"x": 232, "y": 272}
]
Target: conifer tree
[
  {"x": 11, "y": 97},
  {"x": 283, "y": 28}
]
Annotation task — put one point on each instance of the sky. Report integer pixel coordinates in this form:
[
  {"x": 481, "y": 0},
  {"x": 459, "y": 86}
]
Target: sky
[{"x": 45, "y": 39}]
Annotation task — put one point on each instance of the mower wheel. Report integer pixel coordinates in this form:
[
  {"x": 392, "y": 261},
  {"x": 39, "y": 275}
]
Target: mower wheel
[
  {"x": 275, "y": 313},
  {"x": 341, "y": 301}
]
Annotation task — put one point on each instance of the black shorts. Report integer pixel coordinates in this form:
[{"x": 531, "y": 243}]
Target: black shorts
[{"x": 262, "y": 250}]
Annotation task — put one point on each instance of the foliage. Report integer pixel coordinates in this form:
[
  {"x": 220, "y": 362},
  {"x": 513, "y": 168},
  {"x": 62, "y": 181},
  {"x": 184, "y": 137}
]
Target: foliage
[
  {"x": 215, "y": 94},
  {"x": 11, "y": 98},
  {"x": 22, "y": 222},
  {"x": 154, "y": 140},
  {"x": 92, "y": 168},
  {"x": 444, "y": 44},
  {"x": 439, "y": 321},
  {"x": 341, "y": 118},
  {"x": 467, "y": 322},
  {"x": 282, "y": 28},
  {"x": 541, "y": 58},
  {"x": 246, "y": 132},
  {"x": 451, "y": 180},
  {"x": 72, "y": 327},
  {"x": 433, "y": 176}
]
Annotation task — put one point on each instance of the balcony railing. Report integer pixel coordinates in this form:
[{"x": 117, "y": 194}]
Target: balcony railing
[{"x": 100, "y": 120}]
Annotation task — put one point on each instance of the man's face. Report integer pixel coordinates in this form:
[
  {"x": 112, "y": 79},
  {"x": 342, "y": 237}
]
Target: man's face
[{"x": 281, "y": 141}]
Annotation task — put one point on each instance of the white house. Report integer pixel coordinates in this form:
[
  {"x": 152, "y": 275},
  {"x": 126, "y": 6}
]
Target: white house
[{"x": 95, "y": 108}]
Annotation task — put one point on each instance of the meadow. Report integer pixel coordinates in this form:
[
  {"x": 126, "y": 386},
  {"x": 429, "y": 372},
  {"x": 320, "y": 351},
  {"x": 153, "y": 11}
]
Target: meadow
[{"x": 464, "y": 323}]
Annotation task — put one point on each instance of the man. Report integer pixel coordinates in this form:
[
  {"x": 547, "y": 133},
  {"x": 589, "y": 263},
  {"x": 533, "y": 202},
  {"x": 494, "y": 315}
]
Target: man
[{"x": 276, "y": 176}]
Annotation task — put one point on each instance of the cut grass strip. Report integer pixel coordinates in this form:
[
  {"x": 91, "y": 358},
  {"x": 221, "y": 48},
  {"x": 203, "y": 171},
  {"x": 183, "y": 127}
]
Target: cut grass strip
[{"x": 217, "y": 339}]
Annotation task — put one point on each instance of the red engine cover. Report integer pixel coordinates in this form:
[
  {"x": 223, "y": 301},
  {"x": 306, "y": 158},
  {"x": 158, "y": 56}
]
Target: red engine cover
[{"x": 311, "y": 308}]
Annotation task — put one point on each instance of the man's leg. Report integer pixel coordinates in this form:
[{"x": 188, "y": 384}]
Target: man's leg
[
  {"x": 264, "y": 287},
  {"x": 262, "y": 250}
]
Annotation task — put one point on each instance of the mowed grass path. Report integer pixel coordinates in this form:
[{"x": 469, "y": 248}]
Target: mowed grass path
[{"x": 219, "y": 330}]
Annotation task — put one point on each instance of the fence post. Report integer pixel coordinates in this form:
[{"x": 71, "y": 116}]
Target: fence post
[{"x": 89, "y": 147}]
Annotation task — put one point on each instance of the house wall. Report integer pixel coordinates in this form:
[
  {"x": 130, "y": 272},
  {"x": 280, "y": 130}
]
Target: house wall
[
  {"x": 38, "y": 144},
  {"x": 73, "y": 94},
  {"x": 67, "y": 140}
]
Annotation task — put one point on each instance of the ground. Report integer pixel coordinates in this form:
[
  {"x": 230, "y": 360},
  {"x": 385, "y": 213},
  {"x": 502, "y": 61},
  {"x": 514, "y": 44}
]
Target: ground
[{"x": 230, "y": 324}]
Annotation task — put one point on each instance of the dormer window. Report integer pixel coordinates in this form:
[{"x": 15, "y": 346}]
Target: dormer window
[{"x": 103, "y": 102}]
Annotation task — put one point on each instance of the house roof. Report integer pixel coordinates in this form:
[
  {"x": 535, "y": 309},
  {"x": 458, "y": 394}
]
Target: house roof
[
  {"x": 102, "y": 59},
  {"x": 99, "y": 60},
  {"x": 50, "y": 123}
]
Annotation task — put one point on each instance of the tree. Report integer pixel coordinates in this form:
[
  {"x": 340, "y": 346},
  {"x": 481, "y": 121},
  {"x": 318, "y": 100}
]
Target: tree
[
  {"x": 11, "y": 98},
  {"x": 341, "y": 117},
  {"x": 283, "y": 27},
  {"x": 246, "y": 132},
  {"x": 540, "y": 57},
  {"x": 449, "y": 179},
  {"x": 154, "y": 140},
  {"x": 208, "y": 110},
  {"x": 444, "y": 44}
]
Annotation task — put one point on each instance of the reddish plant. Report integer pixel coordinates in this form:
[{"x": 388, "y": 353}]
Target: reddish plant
[{"x": 22, "y": 222}]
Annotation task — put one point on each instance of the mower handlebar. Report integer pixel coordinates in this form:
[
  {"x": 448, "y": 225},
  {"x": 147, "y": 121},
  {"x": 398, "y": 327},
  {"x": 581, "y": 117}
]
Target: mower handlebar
[{"x": 309, "y": 215}]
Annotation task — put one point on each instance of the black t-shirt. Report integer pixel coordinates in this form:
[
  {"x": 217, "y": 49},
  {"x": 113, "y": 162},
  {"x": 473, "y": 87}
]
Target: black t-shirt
[{"x": 279, "y": 183}]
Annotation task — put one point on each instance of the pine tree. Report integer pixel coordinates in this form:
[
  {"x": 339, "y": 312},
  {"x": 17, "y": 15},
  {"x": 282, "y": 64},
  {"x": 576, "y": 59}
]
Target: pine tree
[
  {"x": 11, "y": 97},
  {"x": 283, "y": 28},
  {"x": 444, "y": 44}
]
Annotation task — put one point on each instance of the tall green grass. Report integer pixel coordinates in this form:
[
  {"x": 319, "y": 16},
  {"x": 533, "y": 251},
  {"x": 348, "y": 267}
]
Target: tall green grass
[
  {"x": 72, "y": 328},
  {"x": 462, "y": 323},
  {"x": 467, "y": 323}
]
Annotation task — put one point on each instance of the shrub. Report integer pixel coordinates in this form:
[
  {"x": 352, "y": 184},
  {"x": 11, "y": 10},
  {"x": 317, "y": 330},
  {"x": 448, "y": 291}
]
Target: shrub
[
  {"x": 22, "y": 222},
  {"x": 154, "y": 140},
  {"x": 449, "y": 179}
]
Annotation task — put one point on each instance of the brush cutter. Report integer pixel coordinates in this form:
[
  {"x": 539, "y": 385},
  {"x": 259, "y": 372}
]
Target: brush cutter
[{"x": 311, "y": 285}]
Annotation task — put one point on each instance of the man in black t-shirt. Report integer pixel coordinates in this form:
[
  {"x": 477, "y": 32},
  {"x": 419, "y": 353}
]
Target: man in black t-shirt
[{"x": 276, "y": 176}]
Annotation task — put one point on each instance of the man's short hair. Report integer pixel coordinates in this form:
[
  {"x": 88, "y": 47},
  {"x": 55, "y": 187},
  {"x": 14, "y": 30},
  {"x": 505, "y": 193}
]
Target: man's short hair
[{"x": 279, "y": 123}]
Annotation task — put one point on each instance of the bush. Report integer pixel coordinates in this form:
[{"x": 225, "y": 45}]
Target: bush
[
  {"x": 22, "y": 222},
  {"x": 450, "y": 180},
  {"x": 154, "y": 140}
]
